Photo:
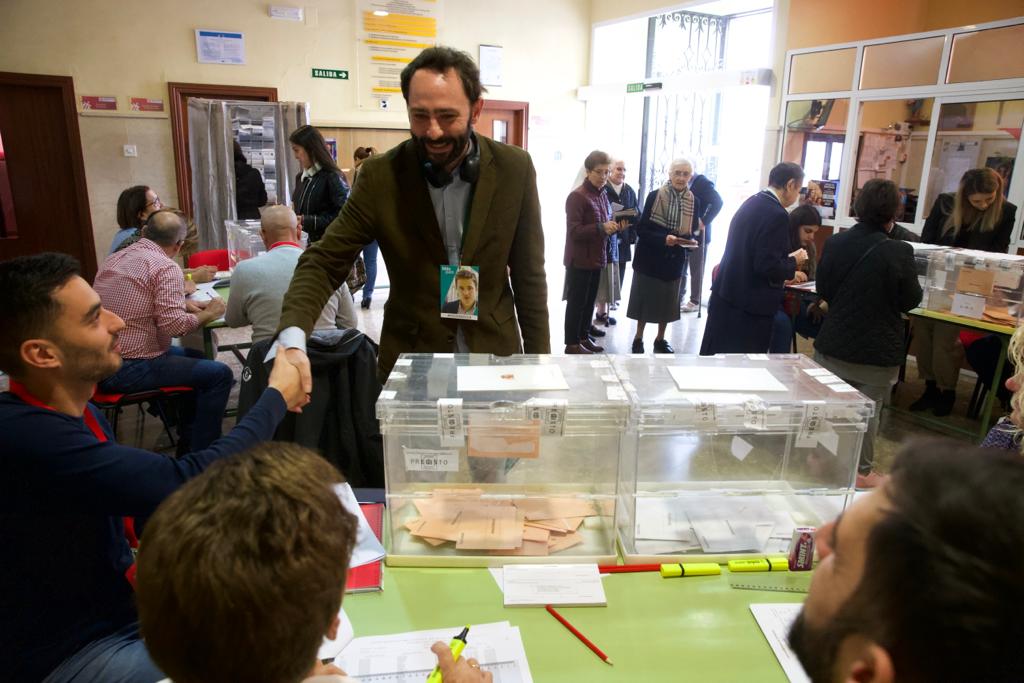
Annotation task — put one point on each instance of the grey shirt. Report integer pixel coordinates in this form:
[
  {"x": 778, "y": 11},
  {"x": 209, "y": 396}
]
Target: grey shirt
[{"x": 258, "y": 286}]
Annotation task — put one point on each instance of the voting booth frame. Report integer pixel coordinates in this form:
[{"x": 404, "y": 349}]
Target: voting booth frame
[{"x": 567, "y": 459}]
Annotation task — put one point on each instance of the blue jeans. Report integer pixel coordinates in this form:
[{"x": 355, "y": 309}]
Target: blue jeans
[
  {"x": 370, "y": 261},
  {"x": 782, "y": 333},
  {"x": 200, "y": 416},
  {"x": 121, "y": 657}
]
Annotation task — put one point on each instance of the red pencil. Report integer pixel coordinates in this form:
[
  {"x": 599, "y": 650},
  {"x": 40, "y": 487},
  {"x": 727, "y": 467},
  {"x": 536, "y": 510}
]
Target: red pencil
[
  {"x": 627, "y": 568},
  {"x": 583, "y": 639}
]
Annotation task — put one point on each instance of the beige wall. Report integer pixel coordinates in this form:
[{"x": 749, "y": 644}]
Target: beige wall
[{"x": 112, "y": 47}]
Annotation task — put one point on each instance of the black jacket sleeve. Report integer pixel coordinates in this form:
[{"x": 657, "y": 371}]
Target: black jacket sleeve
[
  {"x": 326, "y": 206},
  {"x": 932, "y": 232},
  {"x": 1001, "y": 240},
  {"x": 908, "y": 294}
]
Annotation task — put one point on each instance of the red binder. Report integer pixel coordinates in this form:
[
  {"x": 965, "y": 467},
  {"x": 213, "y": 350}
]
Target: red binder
[{"x": 369, "y": 577}]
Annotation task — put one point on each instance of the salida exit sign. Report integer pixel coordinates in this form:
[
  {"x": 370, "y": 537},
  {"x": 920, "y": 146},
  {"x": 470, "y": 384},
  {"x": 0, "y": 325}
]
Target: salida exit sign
[{"x": 339, "y": 74}]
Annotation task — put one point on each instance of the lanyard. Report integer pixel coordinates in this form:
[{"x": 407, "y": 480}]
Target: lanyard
[
  {"x": 19, "y": 390},
  {"x": 275, "y": 245}
]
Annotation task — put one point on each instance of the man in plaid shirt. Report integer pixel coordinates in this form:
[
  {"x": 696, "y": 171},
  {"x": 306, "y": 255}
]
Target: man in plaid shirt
[{"x": 145, "y": 287}]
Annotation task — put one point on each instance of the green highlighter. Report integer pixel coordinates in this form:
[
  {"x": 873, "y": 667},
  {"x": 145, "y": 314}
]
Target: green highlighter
[{"x": 457, "y": 645}]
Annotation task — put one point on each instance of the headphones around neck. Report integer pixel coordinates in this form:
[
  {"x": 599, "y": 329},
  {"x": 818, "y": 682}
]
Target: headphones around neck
[{"x": 469, "y": 169}]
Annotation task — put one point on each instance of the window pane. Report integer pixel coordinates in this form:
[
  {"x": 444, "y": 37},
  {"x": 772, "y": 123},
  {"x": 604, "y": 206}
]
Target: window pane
[
  {"x": 892, "y": 136},
  {"x": 973, "y": 135},
  {"x": 918, "y": 62},
  {"x": 987, "y": 55},
  {"x": 814, "y": 138},
  {"x": 822, "y": 71}
]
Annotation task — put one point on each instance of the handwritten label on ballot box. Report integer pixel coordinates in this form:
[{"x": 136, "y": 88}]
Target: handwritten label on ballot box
[
  {"x": 968, "y": 305},
  {"x": 449, "y": 421}
]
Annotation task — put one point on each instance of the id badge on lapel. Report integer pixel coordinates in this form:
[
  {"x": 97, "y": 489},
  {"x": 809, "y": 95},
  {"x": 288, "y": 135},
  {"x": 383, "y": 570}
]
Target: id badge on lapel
[{"x": 459, "y": 296}]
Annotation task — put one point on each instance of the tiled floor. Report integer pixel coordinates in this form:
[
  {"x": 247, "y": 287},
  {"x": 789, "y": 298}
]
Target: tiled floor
[{"x": 684, "y": 335}]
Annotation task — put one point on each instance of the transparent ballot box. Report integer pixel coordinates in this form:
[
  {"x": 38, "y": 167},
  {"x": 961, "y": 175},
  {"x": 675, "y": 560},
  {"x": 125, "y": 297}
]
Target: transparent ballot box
[
  {"x": 244, "y": 241},
  {"x": 975, "y": 284},
  {"x": 726, "y": 455},
  {"x": 495, "y": 460}
]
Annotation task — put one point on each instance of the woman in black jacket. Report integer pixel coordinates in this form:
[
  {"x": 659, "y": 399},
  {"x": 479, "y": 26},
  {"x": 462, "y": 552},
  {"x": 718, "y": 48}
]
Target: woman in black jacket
[
  {"x": 868, "y": 280},
  {"x": 974, "y": 217},
  {"x": 250, "y": 192},
  {"x": 320, "y": 191}
]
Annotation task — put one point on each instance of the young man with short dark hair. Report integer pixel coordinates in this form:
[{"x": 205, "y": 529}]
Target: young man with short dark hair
[
  {"x": 68, "y": 608},
  {"x": 243, "y": 572},
  {"x": 921, "y": 580}
]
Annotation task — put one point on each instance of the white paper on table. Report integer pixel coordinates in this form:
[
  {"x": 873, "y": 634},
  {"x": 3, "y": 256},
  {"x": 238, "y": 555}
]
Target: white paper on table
[
  {"x": 817, "y": 372},
  {"x": 204, "y": 292},
  {"x": 329, "y": 649},
  {"x": 511, "y": 378},
  {"x": 406, "y": 657},
  {"x": 499, "y": 577},
  {"x": 713, "y": 378},
  {"x": 775, "y": 620},
  {"x": 368, "y": 549},
  {"x": 534, "y": 585}
]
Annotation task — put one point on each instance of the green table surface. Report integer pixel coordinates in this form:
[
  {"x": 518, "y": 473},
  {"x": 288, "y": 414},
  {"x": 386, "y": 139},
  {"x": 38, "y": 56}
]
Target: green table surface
[{"x": 654, "y": 629}]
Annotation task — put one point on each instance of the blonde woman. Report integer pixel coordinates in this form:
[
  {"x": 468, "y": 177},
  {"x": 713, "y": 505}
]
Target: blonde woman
[
  {"x": 1007, "y": 432},
  {"x": 974, "y": 217}
]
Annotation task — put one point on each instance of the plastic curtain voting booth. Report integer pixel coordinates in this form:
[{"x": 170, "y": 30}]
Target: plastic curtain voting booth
[{"x": 262, "y": 130}]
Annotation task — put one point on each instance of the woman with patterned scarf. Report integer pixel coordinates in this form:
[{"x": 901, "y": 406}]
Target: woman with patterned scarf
[{"x": 666, "y": 230}]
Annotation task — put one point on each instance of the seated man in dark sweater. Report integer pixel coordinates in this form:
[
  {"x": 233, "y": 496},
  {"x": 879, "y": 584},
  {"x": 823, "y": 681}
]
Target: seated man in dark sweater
[{"x": 67, "y": 608}]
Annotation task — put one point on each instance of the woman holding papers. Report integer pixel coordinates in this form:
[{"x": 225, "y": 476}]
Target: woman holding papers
[
  {"x": 666, "y": 230},
  {"x": 974, "y": 217},
  {"x": 869, "y": 281}
]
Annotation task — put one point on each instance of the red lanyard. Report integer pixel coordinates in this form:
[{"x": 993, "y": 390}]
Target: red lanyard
[
  {"x": 19, "y": 390},
  {"x": 275, "y": 245}
]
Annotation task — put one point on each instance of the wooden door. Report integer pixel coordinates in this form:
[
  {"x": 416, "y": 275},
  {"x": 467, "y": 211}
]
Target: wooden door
[
  {"x": 504, "y": 121},
  {"x": 179, "y": 94},
  {"x": 42, "y": 179}
]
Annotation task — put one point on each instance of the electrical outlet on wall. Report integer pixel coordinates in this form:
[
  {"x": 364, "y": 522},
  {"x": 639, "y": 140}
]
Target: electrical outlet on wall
[{"x": 131, "y": 151}]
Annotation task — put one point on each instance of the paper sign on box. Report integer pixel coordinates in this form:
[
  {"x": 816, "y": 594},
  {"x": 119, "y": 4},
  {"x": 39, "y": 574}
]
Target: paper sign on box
[{"x": 968, "y": 305}]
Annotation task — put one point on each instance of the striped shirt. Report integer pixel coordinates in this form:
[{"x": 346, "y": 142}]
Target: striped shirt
[{"x": 146, "y": 289}]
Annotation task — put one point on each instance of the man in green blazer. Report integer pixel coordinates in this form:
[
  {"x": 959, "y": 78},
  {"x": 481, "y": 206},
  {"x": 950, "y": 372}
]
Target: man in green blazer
[{"x": 446, "y": 197}]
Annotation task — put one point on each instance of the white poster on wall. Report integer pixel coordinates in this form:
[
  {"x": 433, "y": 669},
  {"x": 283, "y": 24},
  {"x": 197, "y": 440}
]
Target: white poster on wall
[
  {"x": 220, "y": 47},
  {"x": 389, "y": 35}
]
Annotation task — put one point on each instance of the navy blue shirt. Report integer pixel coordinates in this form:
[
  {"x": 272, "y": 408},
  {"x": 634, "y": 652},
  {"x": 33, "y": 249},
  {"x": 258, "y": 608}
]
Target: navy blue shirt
[{"x": 63, "y": 493}]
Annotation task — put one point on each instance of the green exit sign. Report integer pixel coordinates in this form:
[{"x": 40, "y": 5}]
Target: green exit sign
[
  {"x": 634, "y": 87},
  {"x": 340, "y": 74}
]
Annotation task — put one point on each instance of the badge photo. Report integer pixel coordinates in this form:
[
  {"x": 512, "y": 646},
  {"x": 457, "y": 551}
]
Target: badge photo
[{"x": 460, "y": 288}]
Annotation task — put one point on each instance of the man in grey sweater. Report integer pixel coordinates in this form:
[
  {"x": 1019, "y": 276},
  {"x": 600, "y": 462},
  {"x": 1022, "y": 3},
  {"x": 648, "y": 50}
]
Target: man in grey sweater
[{"x": 258, "y": 284}]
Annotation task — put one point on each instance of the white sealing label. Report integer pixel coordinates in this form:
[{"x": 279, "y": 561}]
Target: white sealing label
[
  {"x": 403, "y": 362},
  {"x": 705, "y": 412},
  {"x": 600, "y": 364},
  {"x": 755, "y": 415},
  {"x": 615, "y": 393},
  {"x": 388, "y": 395},
  {"x": 449, "y": 421},
  {"x": 550, "y": 412},
  {"x": 813, "y": 424},
  {"x": 757, "y": 356},
  {"x": 431, "y": 460},
  {"x": 612, "y": 379}
]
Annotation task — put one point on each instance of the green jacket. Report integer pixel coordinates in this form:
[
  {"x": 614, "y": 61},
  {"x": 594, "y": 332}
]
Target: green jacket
[{"x": 390, "y": 203}]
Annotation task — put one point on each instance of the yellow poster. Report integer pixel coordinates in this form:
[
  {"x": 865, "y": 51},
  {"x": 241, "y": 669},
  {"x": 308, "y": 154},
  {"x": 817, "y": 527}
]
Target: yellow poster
[{"x": 391, "y": 34}]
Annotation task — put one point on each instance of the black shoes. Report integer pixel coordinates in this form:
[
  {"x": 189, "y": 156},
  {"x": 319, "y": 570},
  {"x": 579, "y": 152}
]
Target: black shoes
[
  {"x": 365, "y": 303},
  {"x": 638, "y": 346},
  {"x": 662, "y": 346},
  {"x": 944, "y": 403},
  {"x": 594, "y": 332},
  {"x": 928, "y": 398},
  {"x": 591, "y": 346},
  {"x": 605, "y": 319}
]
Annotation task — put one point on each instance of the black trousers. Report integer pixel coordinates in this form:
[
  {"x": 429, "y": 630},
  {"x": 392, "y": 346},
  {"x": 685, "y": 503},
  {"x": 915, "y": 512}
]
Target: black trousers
[{"x": 581, "y": 292}]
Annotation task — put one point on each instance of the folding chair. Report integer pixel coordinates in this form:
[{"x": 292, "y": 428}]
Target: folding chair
[{"x": 112, "y": 404}]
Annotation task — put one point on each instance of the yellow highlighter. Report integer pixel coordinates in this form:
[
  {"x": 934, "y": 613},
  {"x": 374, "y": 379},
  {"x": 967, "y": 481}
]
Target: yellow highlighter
[
  {"x": 770, "y": 564},
  {"x": 457, "y": 645},
  {"x": 669, "y": 571}
]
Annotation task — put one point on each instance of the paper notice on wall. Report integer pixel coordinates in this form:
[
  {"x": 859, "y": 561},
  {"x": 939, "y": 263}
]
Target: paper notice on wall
[
  {"x": 219, "y": 47},
  {"x": 389, "y": 35}
]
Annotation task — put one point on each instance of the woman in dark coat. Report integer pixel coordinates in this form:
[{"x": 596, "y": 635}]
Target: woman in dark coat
[
  {"x": 974, "y": 217},
  {"x": 665, "y": 231},
  {"x": 320, "y": 191},
  {"x": 869, "y": 281},
  {"x": 250, "y": 192}
]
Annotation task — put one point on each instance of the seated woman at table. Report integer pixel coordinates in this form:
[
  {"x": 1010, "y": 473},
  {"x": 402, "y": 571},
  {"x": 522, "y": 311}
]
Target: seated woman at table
[
  {"x": 974, "y": 217},
  {"x": 869, "y": 281},
  {"x": 804, "y": 222}
]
